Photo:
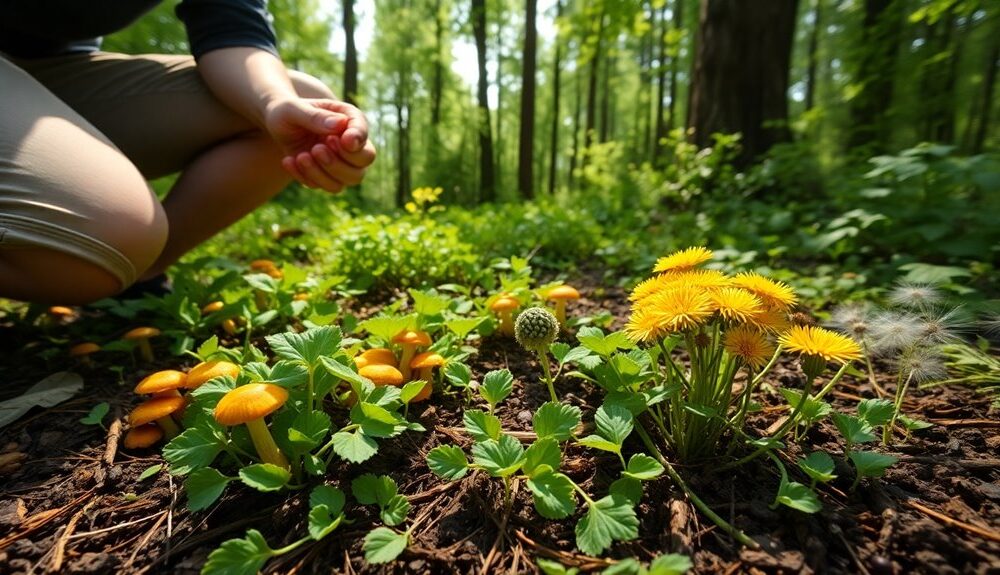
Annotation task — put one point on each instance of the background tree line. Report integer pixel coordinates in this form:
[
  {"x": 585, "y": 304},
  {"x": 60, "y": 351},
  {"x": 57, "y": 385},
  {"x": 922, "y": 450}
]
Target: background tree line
[{"x": 844, "y": 79}]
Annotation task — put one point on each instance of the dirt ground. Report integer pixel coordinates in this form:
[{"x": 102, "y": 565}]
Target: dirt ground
[{"x": 76, "y": 504}]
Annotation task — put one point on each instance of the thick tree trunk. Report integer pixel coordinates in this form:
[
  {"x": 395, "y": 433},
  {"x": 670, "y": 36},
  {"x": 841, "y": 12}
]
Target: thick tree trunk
[
  {"x": 554, "y": 129},
  {"x": 817, "y": 27},
  {"x": 350, "y": 55},
  {"x": 741, "y": 69},
  {"x": 882, "y": 26},
  {"x": 526, "y": 141},
  {"x": 487, "y": 180}
]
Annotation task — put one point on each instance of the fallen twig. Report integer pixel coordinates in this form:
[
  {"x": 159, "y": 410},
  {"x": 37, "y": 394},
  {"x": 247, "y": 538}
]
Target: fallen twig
[{"x": 981, "y": 531}]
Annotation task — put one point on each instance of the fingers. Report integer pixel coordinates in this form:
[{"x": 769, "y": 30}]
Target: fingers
[
  {"x": 320, "y": 120},
  {"x": 336, "y": 168},
  {"x": 289, "y": 165},
  {"x": 355, "y": 134},
  {"x": 314, "y": 172},
  {"x": 359, "y": 159}
]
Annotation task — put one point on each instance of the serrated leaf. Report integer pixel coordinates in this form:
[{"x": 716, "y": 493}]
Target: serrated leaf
[
  {"x": 854, "y": 429},
  {"x": 383, "y": 545},
  {"x": 307, "y": 346},
  {"x": 244, "y": 556},
  {"x": 544, "y": 451},
  {"x": 643, "y": 467},
  {"x": 818, "y": 466},
  {"x": 149, "y": 472},
  {"x": 96, "y": 414},
  {"x": 426, "y": 303},
  {"x": 265, "y": 476},
  {"x": 496, "y": 386},
  {"x": 395, "y": 510},
  {"x": 411, "y": 390},
  {"x": 203, "y": 487},
  {"x": 594, "y": 339},
  {"x": 480, "y": 425},
  {"x": 559, "y": 350},
  {"x": 499, "y": 458},
  {"x": 871, "y": 464},
  {"x": 329, "y": 496},
  {"x": 609, "y": 519},
  {"x": 371, "y": 489},
  {"x": 813, "y": 410},
  {"x": 628, "y": 488},
  {"x": 555, "y": 420},
  {"x": 614, "y": 423},
  {"x": 670, "y": 564},
  {"x": 876, "y": 412},
  {"x": 552, "y": 494},
  {"x": 448, "y": 462},
  {"x": 308, "y": 430},
  {"x": 598, "y": 442},
  {"x": 458, "y": 374},
  {"x": 462, "y": 327},
  {"x": 193, "y": 449},
  {"x": 385, "y": 327},
  {"x": 798, "y": 496},
  {"x": 354, "y": 446}
]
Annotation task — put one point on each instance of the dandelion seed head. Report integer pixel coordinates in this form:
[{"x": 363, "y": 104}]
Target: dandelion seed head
[
  {"x": 914, "y": 295},
  {"x": 943, "y": 326},
  {"x": 893, "y": 331},
  {"x": 922, "y": 365}
]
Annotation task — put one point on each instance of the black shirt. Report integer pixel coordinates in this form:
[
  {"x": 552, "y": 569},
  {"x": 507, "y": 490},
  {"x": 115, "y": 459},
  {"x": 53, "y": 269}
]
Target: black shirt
[{"x": 43, "y": 28}]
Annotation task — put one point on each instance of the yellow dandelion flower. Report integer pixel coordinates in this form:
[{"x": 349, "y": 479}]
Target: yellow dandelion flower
[
  {"x": 821, "y": 343},
  {"x": 735, "y": 304},
  {"x": 667, "y": 311},
  {"x": 748, "y": 344},
  {"x": 706, "y": 279},
  {"x": 772, "y": 320},
  {"x": 773, "y": 293},
  {"x": 683, "y": 260}
]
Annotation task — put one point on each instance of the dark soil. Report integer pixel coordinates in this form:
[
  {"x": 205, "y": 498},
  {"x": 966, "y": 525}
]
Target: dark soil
[{"x": 76, "y": 505}]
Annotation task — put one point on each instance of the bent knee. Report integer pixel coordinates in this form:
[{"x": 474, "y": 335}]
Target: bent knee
[{"x": 307, "y": 86}]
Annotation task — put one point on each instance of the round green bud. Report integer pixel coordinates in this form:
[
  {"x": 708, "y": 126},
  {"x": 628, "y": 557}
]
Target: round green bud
[{"x": 535, "y": 329}]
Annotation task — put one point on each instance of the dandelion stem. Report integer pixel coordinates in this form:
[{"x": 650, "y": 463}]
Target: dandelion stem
[{"x": 544, "y": 359}]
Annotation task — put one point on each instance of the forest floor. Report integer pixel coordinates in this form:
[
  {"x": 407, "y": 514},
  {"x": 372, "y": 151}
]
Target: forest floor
[{"x": 77, "y": 505}]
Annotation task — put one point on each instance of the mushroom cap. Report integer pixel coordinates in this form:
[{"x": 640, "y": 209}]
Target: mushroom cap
[
  {"x": 563, "y": 292},
  {"x": 143, "y": 436},
  {"x": 376, "y": 356},
  {"x": 301, "y": 296},
  {"x": 60, "y": 311},
  {"x": 141, "y": 333},
  {"x": 165, "y": 380},
  {"x": 212, "y": 307},
  {"x": 427, "y": 359},
  {"x": 382, "y": 374},
  {"x": 412, "y": 337},
  {"x": 154, "y": 409},
  {"x": 262, "y": 265},
  {"x": 85, "y": 348},
  {"x": 207, "y": 370},
  {"x": 505, "y": 303},
  {"x": 249, "y": 402}
]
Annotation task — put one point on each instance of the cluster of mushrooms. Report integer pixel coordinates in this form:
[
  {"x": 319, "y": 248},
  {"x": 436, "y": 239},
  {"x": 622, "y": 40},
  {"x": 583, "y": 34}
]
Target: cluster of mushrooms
[
  {"x": 382, "y": 366},
  {"x": 506, "y": 305}
]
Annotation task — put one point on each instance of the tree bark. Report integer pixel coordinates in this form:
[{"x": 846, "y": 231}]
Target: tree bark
[
  {"x": 437, "y": 83},
  {"x": 487, "y": 180},
  {"x": 817, "y": 27},
  {"x": 661, "y": 85},
  {"x": 740, "y": 79},
  {"x": 577, "y": 111},
  {"x": 881, "y": 30},
  {"x": 678, "y": 16},
  {"x": 989, "y": 83},
  {"x": 554, "y": 128},
  {"x": 526, "y": 140},
  {"x": 350, "y": 54},
  {"x": 595, "y": 65}
]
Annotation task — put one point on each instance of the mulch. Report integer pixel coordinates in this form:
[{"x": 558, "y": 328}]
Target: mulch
[{"x": 76, "y": 504}]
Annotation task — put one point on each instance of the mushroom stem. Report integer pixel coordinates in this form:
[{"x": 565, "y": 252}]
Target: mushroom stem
[
  {"x": 265, "y": 445},
  {"x": 426, "y": 374},
  {"x": 409, "y": 350},
  {"x": 145, "y": 350},
  {"x": 169, "y": 427},
  {"x": 506, "y": 322},
  {"x": 561, "y": 312}
]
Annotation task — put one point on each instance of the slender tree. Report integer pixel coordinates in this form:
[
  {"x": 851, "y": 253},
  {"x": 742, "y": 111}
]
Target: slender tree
[
  {"x": 554, "y": 128},
  {"x": 350, "y": 54},
  {"x": 875, "y": 71},
  {"x": 487, "y": 179},
  {"x": 813, "y": 56},
  {"x": 526, "y": 142},
  {"x": 987, "y": 103}
]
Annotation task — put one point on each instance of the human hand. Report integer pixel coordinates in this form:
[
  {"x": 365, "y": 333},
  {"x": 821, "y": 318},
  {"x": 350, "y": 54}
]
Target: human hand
[{"x": 325, "y": 142}]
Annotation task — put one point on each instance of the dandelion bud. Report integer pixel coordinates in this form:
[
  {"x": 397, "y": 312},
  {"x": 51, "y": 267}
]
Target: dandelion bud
[{"x": 535, "y": 329}]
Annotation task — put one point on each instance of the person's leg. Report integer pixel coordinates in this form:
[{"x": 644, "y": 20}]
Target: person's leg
[
  {"x": 164, "y": 118},
  {"x": 77, "y": 220}
]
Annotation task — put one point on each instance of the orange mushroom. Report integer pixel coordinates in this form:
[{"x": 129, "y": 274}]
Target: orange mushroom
[
  {"x": 504, "y": 307},
  {"x": 382, "y": 375},
  {"x": 83, "y": 351},
  {"x": 158, "y": 409},
  {"x": 410, "y": 340},
  {"x": 207, "y": 370},
  {"x": 165, "y": 383},
  {"x": 141, "y": 336},
  {"x": 143, "y": 436},
  {"x": 376, "y": 356},
  {"x": 426, "y": 362},
  {"x": 560, "y": 295},
  {"x": 212, "y": 307},
  {"x": 249, "y": 405}
]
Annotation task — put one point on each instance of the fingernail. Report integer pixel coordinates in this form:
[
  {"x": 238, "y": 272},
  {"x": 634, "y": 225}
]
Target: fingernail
[{"x": 330, "y": 123}]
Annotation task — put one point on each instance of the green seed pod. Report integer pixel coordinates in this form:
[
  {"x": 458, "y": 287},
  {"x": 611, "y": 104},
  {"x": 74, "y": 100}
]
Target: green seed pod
[{"x": 535, "y": 329}]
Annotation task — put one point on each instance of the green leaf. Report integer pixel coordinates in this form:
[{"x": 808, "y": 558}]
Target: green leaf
[
  {"x": 313, "y": 465},
  {"x": 496, "y": 386},
  {"x": 354, "y": 446},
  {"x": 96, "y": 415},
  {"x": 609, "y": 519},
  {"x": 643, "y": 467},
  {"x": 614, "y": 423},
  {"x": 921, "y": 273},
  {"x": 458, "y": 374},
  {"x": 341, "y": 371},
  {"x": 553, "y": 568},
  {"x": 544, "y": 451},
  {"x": 307, "y": 346},
  {"x": 913, "y": 424},
  {"x": 559, "y": 350},
  {"x": 552, "y": 494},
  {"x": 50, "y": 391},
  {"x": 462, "y": 327},
  {"x": 322, "y": 521},
  {"x": 239, "y": 556},
  {"x": 411, "y": 390},
  {"x": 383, "y": 545},
  {"x": 395, "y": 510},
  {"x": 818, "y": 466},
  {"x": 426, "y": 303},
  {"x": 627, "y": 566},
  {"x": 480, "y": 425},
  {"x": 871, "y": 464},
  {"x": 499, "y": 458},
  {"x": 555, "y": 420},
  {"x": 798, "y": 496},
  {"x": 265, "y": 476},
  {"x": 308, "y": 430},
  {"x": 149, "y": 472},
  {"x": 203, "y": 487},
  {"x": 876, "y": 411},
  {"x": 195, "y": 448},
  {"x": 594, "y": 339},
  {"x": 628, "y": 488},
  {"x": 854, "y": 429},
  {"x": 670, "y": 564},
  {"x": 813, "y": 410},
  {"x": 448, "y": 462},
  {"x": 598, "y": 442},
  {"x": 385, "y": 327},
  {"x": 332, "y": 497}
]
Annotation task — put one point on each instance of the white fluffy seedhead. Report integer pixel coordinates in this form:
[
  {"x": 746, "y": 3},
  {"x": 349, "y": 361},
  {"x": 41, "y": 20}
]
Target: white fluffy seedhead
[
  {"x": 939, "y": 326},
  {"x": 914, "y": 295},
  {"x": 922, "y": 365},
  {"x": 854, "y": 319},
  {"x": 892, "y": 332}
]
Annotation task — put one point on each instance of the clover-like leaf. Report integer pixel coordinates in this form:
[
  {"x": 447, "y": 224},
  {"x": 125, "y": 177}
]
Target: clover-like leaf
[
  {"x": 354, "y": 446},
  {"x": 555, "y": 420},
  {"x": 643, "y": 467},
  {"x": 265, "y": 476},
  {"x": 798, "y": 496},
  {"x": 480, "y": 425},
  {"x": 383, "y": 545},
  {"x": 545, "y": 451},
  {"x": 818, "y": 466},
  {"x": 448, "y": 462},
  {"x": 854, "y": 429},
  {"x": 203, "y": 487},
  {"x": 608, "y": 519},
  {"x": 195, "y": 448},
  {"x": 871, "y": 464},
  {"x": 876, "y": 412},
  {"x": 499, "y": 458},
  {"x": 614, "y": 423},
  {"x": 96, "y": 414},
  {"x": 552, "y": 493},
  {"x": 244, "y": 556},
  {"x": 496, "y": 386}
]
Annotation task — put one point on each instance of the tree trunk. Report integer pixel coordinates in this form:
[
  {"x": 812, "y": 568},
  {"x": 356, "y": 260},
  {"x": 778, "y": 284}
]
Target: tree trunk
[
  {"x": 678, "y": 15},
  {"x": 989, "y": 83},
  {"x": 437, "y": 83},
  {"x": 607, "y": 129},
  {"x": 817, "y": 27},
  {"x": 740, "y": 79},
  {"x": 661, "y": 85},
  {"x": 595, "y": 65},
  {"x": 350, "y": 55},
  {"x": 487, "y": 180},
  {"x": 882, "y": 27},
  {"x": 403, "y": 140},
  {"x": 526, "y": 140},
  {"x": 577, "y": 110},
  {"x": 554, "y": 129},
  {"x": 498, "y": 161}
]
